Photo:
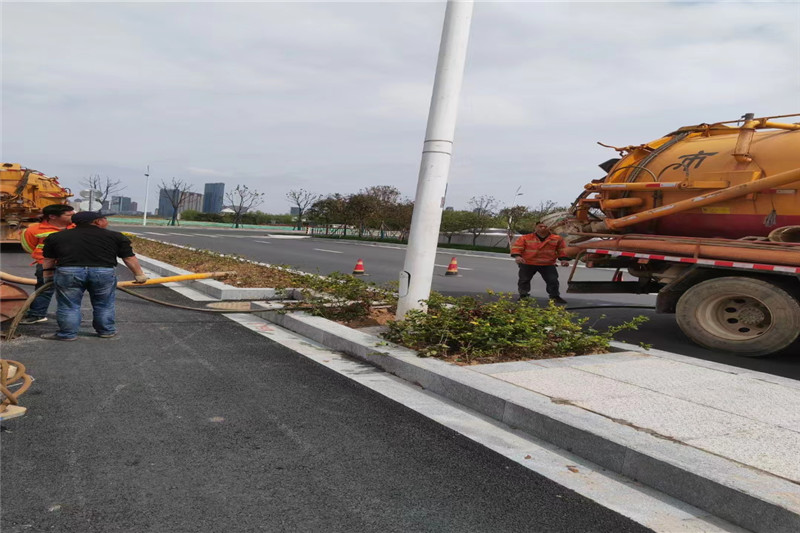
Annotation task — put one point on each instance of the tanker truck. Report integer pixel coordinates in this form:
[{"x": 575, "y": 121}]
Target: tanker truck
[
  {"x": 23, "y": 194},
  {"x": 708, "y": 219}
]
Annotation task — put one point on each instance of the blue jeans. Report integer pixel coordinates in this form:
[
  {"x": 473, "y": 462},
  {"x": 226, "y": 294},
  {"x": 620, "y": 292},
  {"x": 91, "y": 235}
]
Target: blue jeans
[
  {"x": 38, "y": 308},
  {"x": 71, "y": 283}
]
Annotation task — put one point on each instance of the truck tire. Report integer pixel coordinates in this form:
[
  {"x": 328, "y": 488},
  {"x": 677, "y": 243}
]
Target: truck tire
[{"x": 745, "y": 316}]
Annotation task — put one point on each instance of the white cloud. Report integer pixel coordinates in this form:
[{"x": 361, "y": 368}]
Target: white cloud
[{"x": 333, "y": 97}]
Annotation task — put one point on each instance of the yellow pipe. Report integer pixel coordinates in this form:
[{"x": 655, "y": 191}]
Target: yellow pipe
[
  {"x": 617, "y": 203},
  {"x": 705, "y": 199},
  {"x": 169, "y": 279},
  {"x": 154, "y": 281}
]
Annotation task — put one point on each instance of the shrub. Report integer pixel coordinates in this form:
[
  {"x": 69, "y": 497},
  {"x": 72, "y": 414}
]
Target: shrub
[{"x": 468, "y": 329}]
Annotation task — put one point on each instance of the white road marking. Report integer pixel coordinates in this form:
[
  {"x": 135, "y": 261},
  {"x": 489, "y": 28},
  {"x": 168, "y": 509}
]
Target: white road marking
[
  {"x": 154, "y": 233},
  {"x": 263, "y": 242},
  {"x": 271, "y": 236},
  {"x": 329, "y": 251},
  {"x": 447, "y": 266},
  {"x": 204, "y": 235}
]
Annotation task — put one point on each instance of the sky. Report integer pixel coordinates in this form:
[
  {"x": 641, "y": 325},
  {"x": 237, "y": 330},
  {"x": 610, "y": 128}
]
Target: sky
[{"x": 333, "y": 97}]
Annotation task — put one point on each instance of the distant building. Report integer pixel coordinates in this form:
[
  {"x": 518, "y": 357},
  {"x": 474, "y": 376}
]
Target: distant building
[
  {"x": 213, "y": 195},
  {"x": 191, "y": 201},
  {"x": 294, "y": 211},
  {"x": 135, "y": 207},
  {"x": 120, "y": 204}
]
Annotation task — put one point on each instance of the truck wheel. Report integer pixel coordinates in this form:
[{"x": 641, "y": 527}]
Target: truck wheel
[{"x": 745, "y": 316}]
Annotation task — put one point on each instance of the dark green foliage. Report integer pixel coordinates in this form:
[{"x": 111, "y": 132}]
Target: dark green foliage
[{"x": 498, "y": 329}]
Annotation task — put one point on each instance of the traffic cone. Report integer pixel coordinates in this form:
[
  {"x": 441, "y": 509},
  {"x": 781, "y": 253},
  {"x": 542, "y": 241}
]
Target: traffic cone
[
  {"x": 617, "y": 276},
  {"x": 452, "y": 269},
  {"x": 358, "y": 270}
]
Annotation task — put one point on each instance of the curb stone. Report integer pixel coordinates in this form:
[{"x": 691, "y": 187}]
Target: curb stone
[{"x": 740, "y": 494}]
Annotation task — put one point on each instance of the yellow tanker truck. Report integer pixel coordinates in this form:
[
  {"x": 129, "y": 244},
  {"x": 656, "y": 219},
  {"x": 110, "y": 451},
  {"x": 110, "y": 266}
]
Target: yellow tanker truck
[
  {"x": 708, "y": 218},
  {"x": 23, "y": 194}
]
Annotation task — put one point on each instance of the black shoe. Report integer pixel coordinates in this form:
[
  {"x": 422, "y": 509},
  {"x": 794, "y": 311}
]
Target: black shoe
[
  {"x": 33, "y": 320},
  {"x": 558, "y": 300},
  {"x": 55, "y": 337},
  {"x": 522, "y": 297}
]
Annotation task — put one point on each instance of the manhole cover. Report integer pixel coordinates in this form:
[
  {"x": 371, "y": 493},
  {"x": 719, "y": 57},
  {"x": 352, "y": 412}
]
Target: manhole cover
[{"x": 233, "y": 306}]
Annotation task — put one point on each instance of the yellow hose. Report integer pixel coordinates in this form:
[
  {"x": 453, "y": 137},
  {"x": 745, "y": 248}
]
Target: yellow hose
[
  {"x": 154, "y": 281},
  {"x": 182, "y": 277}
]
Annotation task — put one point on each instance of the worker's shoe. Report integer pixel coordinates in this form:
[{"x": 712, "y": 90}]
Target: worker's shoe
[
  {"x": 56, "y": 337},
  {"x": 558, "y": 300},
  {"x": 107, "y": 335},
  {"x": 523, "y": 297},
  {"x": 33, "y": 320}
]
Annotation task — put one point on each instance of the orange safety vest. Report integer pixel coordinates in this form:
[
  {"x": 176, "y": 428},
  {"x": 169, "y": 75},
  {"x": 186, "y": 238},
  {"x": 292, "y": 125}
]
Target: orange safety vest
[
  {"x": 33, "y": 237},
  {"x": 536, "y": 252}
]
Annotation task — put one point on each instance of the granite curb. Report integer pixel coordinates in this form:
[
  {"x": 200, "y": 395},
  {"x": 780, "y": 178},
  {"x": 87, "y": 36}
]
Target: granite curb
[{"x": 743, "y": 495}]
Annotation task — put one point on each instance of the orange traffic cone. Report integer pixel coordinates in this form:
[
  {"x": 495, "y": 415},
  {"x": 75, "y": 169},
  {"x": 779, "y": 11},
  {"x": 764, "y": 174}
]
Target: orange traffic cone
[
  {"x": 617, "y": 276},
  {"x": 359, "y": 268},
  {"x": 452, "y": 269}
]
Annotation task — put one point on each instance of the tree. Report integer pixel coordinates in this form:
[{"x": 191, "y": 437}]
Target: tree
[
  {"x": 328, "y": 210},
  {"x": 481, "y": 216},
  {"x": 301, "y": 199},
  {"x": 513, "y": 217},
  {"x": 399, "y": 218},
  {"x": 385, "y": 200},
  {"x": 359, "y": 209},
  {"x": 241, "y": 199},
  {"x": 454, "y": 222},
  {"x": 107, "y": 186},
  {"x": 176, "y": 194}
]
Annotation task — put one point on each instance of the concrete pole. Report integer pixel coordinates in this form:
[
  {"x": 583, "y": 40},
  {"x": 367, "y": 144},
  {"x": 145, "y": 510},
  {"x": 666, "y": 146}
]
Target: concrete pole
[
  {"x": 146, "y": 194},
  {"x": 417, "y": 275}
]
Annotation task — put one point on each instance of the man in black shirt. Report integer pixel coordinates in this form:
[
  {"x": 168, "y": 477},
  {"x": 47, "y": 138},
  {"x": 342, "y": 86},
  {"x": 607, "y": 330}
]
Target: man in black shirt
[{"x": 85, "y": 259}]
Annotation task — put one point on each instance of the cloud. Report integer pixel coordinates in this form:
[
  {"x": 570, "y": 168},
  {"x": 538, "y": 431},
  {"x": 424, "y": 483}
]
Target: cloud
[{"x": 334, "y": 97}]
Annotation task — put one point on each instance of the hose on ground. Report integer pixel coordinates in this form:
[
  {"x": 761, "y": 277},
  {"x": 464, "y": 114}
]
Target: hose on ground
[
  {"x": 9, "y": 334},
  {"x": 189, "y": 308}
]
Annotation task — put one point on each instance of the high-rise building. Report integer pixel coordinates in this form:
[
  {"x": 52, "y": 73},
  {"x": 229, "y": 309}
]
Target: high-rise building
[
  {"x": 120, "y": 204},
  {"x": 213, "y": 195},
  {"x": 191, "y": 200}
]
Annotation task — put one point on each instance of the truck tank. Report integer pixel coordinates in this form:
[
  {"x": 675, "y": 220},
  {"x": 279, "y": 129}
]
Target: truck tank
[
  {"x": 23, "y": 194},
  {"x": 732, "y": 180}
]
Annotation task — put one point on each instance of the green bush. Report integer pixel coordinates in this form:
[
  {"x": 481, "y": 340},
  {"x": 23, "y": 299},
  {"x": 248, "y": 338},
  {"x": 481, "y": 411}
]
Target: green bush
[
  {"x": 469, "y": 329},
  {"x": 344, "y": 297}
]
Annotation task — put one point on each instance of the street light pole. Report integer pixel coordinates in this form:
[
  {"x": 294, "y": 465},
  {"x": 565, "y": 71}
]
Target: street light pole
[
  {"x": 511, "y": 215},
  {"x": 146, "y": 194},
  {"x": 417, "y": 275}
]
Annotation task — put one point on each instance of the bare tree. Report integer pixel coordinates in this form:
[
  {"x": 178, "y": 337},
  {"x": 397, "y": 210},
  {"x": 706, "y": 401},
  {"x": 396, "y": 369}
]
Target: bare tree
[
  {"x": 176, "y": 194},
  {"x": 513, "y": 217},
  {"x": 241, "y": 200},
  {"x": 481, "y": 216},
  {"x": 302, "y": 199},
  {"x": 107, "y": 186}
]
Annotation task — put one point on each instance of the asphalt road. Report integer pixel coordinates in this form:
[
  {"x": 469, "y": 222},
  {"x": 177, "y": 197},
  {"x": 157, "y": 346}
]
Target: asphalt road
[
  {"x": 477, "y": 274},
  {"x": 189, "y": 422}
]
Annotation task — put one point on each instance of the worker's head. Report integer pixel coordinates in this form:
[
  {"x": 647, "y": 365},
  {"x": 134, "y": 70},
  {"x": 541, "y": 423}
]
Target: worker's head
[
  {"x": 90, "y": 218},
  {"x": 542, "y": 229},
  {"x": 59, "y": 214}
]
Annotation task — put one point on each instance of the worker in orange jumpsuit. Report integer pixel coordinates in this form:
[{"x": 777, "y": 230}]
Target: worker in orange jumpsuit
[
  {"x": 54, "y": 219},
  {"x": 538, "y": 252}
]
